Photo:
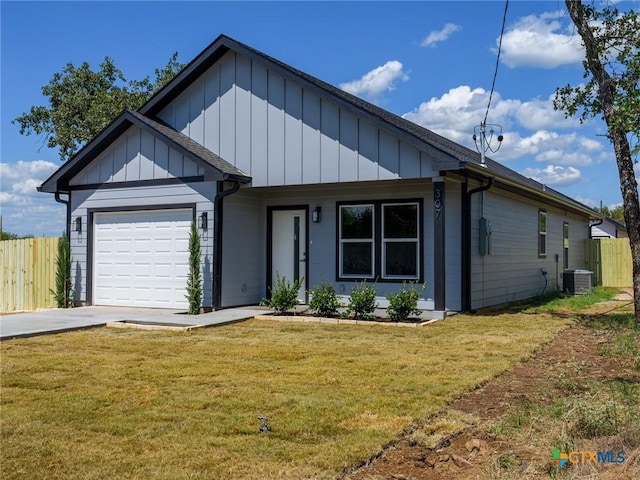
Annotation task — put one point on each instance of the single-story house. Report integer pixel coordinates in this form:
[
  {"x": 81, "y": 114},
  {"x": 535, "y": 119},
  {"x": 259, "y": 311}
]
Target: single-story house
[
  {"x": 287, "y": 175},
  {"x": 607, "y": 227}
]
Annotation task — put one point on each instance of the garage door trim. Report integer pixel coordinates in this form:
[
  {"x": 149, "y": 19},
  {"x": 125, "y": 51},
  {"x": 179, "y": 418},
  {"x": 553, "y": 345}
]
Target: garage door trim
[{"x": 90, "y": 232}]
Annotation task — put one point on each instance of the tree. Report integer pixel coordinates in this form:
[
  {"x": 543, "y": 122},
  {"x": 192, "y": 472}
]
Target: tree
[
  {"x": 8, "y": 236},
  {"x": 616, "y": 213},
  {"x": 194, "y": 280},
  {"x": 82, "y": 102},
  {"x": 63, "y": 293},
  {"x": 612, "y": 68}
]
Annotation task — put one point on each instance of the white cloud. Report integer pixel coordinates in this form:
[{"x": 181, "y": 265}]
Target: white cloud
[
  {"x": 455, "y": 114},
  {"x": 554, "y": 175},
  {"x": 18, "y": 181},
  {"x": 25, "y": 211},
  {"x": 539, "y": 114},
  {"x": 586, "y": 201},
  {"x": 541, "y": 41},
  {"x": 438, "y": 36},
  {"x": 378, "y": 81}
]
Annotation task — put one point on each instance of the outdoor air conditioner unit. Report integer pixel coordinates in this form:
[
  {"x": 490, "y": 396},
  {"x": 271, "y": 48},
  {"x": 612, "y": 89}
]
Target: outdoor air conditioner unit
[{"x": 577, "y": 282}]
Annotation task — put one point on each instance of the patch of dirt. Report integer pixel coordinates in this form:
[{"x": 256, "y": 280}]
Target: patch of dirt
[{"x": 472, "y": 453}]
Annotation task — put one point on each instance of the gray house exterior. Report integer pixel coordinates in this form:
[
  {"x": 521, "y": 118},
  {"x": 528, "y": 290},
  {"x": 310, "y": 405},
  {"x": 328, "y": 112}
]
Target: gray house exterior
[{"x": 287, "y": 175}]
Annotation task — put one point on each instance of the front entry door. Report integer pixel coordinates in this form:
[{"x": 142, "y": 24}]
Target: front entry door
[{"x": 289, "y": 247}]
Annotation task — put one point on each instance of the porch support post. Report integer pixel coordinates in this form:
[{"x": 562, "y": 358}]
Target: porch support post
[{"x": 439, "y": 263}]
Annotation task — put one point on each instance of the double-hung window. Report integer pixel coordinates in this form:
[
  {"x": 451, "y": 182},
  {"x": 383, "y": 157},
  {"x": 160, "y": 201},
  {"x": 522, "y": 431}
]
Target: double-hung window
[
  {"x": 400, "y": 241},
  {"x": 542, "y": 233},
  {"x": 356, "y": 241},
  {"x": 379, "y": 240}
]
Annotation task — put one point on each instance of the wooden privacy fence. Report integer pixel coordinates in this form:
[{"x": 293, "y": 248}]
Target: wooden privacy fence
[
  {"x": 28, "y": 273},
  {"x": 610, "y": 261}
]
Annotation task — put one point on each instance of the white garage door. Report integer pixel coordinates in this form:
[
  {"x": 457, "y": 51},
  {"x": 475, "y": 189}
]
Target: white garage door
[{"x": 141, "y": 258}]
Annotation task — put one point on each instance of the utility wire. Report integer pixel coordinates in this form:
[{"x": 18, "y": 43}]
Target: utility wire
[{"x": 495, "y": 73}]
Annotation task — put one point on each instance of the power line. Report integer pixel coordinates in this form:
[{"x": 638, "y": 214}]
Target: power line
[{"x": 495, "y": 73}]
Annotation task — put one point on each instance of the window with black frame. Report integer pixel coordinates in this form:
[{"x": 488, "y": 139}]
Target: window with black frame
[
  {"x": 356, "y": 241},
  {"x": 400, "y": 249},
  {"x": 379, "y": 240}
]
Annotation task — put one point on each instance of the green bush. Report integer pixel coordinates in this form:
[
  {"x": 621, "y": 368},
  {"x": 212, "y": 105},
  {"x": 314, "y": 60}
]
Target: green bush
[
  {"x": 63, "y": 293},
  {"x": 284, "y": 297},
  {"x": 324, "y": 301},
  {"x": 404, "y": 303},
  {"x": 362, "y": 302},
  {"x": 194, "y": 280}
]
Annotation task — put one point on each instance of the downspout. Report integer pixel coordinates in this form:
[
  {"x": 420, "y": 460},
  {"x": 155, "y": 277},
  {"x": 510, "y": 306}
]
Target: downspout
[
  {"x": 217, "y": 241},
  {"x": 466, "y": 242},
  {"x": 591, "y": 225},
  {"x": 67, "y": 203}
]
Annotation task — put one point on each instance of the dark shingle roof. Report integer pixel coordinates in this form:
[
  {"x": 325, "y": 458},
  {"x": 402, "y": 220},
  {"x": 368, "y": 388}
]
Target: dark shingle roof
[
  {"x": 59, "y": 180},
  {"x": 191, "y": 146},
  {"x": 450, "y": 155}
]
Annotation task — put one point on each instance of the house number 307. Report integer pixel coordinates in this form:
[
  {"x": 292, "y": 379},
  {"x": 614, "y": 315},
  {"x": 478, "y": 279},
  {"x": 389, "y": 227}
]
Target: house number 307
[{"x": 437, "y": 201}]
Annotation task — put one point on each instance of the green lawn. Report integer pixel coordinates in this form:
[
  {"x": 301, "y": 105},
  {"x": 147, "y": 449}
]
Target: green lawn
[{"x": 112, "y": 403}]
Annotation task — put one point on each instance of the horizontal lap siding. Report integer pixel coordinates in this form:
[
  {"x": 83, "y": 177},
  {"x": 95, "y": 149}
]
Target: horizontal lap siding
[
  {"x": 281, "y": 133},
  {"x": 201, "y": 194},
  {"x": 512, "y": 270}
]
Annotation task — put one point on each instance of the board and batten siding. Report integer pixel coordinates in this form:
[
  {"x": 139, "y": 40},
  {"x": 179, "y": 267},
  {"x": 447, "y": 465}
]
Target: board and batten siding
[
  {"x": 137, "y": 155},
  {"x": 280, "y": 133},
  {"x": 322, "y": 236},
  {"x": 513, "y": 269},
  {"x": 201, "y": 194}
]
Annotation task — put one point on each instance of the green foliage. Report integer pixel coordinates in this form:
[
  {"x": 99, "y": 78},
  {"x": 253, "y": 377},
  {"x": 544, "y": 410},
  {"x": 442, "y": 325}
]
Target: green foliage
[
  {"x": 63, "y": 293},
  {"x": 12, "y": 236},
  {"x": 405, "y": 302},
  {"x": 194, "y": 280},
  {"x": 613, "y": 53},
  {"x": 82, "y": 102},
  {"x": 362, "y": 301},
  {"x": 324, "y": 301},
  {"x": 8, "y": 236},
  {"x": 611, "y": 91},
  {"x": 284, "y": 297},
  {"x": 616, "y": 213}
]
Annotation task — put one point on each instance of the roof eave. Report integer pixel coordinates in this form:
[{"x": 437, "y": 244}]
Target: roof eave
[{"x": 548, "y": 196}]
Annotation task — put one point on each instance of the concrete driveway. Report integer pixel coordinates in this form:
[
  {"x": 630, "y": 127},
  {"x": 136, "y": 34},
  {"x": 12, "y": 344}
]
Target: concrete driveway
[{"x": 63, "y": 320}]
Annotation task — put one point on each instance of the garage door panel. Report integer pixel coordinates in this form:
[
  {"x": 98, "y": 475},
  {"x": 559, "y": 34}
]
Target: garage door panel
[{"x": 141, "y": 258}]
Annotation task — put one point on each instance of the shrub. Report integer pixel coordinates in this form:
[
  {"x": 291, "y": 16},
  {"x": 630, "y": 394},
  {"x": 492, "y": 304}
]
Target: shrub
[
  {"x": 284, "y": 296},
  {"x": 362, "y": 301},
  {"x": 194, "y": 280},
  {"x": 324, "y": 301},
  {"x": 404, "y": 303},
  {"x": 63, "y": 293}
]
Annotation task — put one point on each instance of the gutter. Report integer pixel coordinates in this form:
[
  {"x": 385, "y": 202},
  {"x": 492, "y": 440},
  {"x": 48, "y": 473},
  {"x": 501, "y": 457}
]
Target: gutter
[
  {"x": 67, "y": 203},
  {"x": 554, "y": 198},
  {"x": 217, "y": 240},
  {"x": 466, "y": 242},
  {"x": 598, "y": 221}
]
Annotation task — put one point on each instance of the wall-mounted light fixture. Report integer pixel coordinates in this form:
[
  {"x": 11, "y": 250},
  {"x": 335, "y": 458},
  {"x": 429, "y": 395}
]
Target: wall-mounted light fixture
[
  {"x": 316, "y": 215},
  {"x": 204, "y": 220},
  {"x": 78, "y": 224}
]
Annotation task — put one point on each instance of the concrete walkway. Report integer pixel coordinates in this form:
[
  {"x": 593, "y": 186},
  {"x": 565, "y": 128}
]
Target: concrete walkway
[{"x": 63, "y": 320}]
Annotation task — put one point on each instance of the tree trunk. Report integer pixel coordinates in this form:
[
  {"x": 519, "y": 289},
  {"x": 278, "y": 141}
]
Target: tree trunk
[{"x": 628, "y": 183}]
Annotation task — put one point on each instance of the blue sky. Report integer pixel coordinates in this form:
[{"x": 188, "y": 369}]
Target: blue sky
[{"x": 432, "y": 62}]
